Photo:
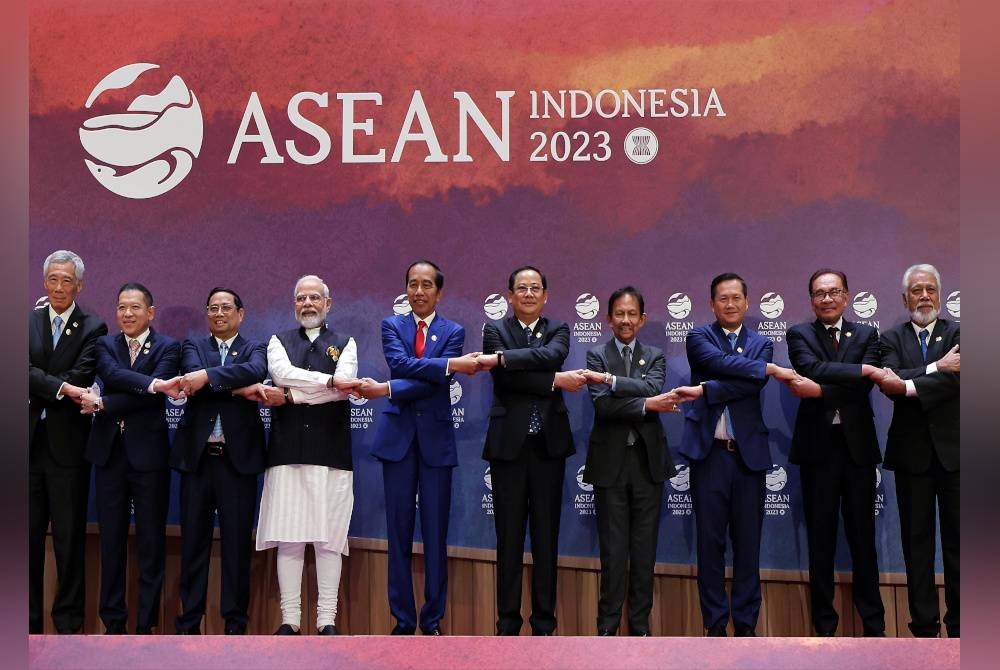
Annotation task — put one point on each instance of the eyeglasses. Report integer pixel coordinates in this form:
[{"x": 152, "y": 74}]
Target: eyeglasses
[
  {"x": 312, "y": 297},
  {"x": 225, "y": 308},
  {"x": 524, "y": 289},
  {"x": 832, "y": 293}
]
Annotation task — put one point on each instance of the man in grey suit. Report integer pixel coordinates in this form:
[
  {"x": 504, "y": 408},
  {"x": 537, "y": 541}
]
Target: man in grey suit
[
  {"x": 922, "y": 368},
  {"x": 627, "y": 462}
]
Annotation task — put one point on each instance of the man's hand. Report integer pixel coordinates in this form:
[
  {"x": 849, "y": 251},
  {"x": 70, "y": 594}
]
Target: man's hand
[
  {"x": 344, "y": 385},
  {"x": 273, "y": 396},
  {"x": 780, "y": 373},
  {"x": 688, "y": 393},
  {"x": 193, "y": 381},
  {"x": 254, "y": 392},
  {"x": 171, "y": 387},
  {"x": 88, "y": 402},
  {"x": 803, "y": 387},
  {"x": 74, "y": 393},
  {"x": 595, "y": 377},
  {"x": 570, "y": 380},
  {"x": 951, "y": 361},
  {"x": 468, "y": 364},
  {"x": 891, "y": 384},
  {"x": 872, "y": 372},
  {"x": 664, "y": 402},
  {"x": 487, "y": 361},
  {"x": 369, "y": 388}
]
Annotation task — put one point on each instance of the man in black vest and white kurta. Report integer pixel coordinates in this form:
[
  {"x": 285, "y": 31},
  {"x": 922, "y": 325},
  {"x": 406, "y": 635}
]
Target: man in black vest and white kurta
[{"x": 309, "y": 484}]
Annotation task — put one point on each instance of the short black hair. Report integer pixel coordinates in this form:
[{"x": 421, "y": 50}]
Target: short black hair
[
  {"x": 438, "y": 278},
  {"x": 525, "y": 268},
  {"x": 222, "y": 289},
  {"x": 627, "y": 290},
  {"x": 826, "y": 271},
  {"x": 136, "y": 286},
  {"x": 728, "y": 276}
]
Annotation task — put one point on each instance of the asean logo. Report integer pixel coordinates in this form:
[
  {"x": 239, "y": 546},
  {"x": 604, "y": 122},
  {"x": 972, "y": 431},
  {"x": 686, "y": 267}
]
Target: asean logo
[
  {"x": 357, "y": 401},
  {"x": 495, "y": 306},
  {"x": 878, "y": 477},
  {"x": 455, "y": 392},
  {"x": 584, "y": 486},
  {"x": 954, "y": 304},
  {"x": 776, "y": 478},
  {"x": 488, "y": 478},
  {"x": 587, "y": 306},
  {"x": 772, "y": 305},
  {"x": 678, "y": 305},
  {"x": 150, "y": 147},
  {"x": 682, "y": 480},
  {"x": 641, "y": 145},
  {"x": 401, "y": 306},
  {"x": 865, "y": 304}
]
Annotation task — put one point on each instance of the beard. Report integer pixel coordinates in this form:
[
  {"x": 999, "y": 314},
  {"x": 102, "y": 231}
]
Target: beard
[
  {"x": 311, "y": 321},
  {"x": 923, "y": 318}
]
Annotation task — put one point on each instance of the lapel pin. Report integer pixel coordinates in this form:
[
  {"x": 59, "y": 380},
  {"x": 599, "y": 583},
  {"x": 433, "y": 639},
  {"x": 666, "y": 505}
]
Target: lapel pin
[
  {"x": 538, "y": 334},
  {"x": 70, "y": 332},
  {"x": 333, "y": 353},
  {"x": 235, "y": 354},
  {"x": 642, "y": 361},
  {"x": 847, "y": 334},
  {"x": 739, "y": 350},
  {"x": 76, "y": 325},
  {"x": 937, "y": 339},
  {"x": 434, "y": 338}
]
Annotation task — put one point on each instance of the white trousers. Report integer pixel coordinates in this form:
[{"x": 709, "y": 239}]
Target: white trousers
[{"x": 291, "y": 560}]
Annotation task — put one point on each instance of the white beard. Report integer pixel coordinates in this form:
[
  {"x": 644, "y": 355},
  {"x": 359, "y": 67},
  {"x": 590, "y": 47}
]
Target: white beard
[
  {"x": 312, "y": 321},
  {"x": 923, "y": 318}
]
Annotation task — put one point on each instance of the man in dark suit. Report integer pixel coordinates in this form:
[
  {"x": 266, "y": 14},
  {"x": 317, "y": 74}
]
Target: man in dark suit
[
  {"x": 922, "y": 376},
  {"x": 61, "y": 365},
  {"x": 627, "y": 462},
  {"x": 836, "y": 448},
  {"x": 415, "y": 442},
  {"x": 527, "y": 443},
  {"x": 129, "y": 447},
  {"x": 725, "y": 441},
  {"x": 219, "y": 449}
]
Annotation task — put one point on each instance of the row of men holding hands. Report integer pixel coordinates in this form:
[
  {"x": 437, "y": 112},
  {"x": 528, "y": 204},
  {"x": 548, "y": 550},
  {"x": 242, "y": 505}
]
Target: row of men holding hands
[{"x": 308, "y": 488}]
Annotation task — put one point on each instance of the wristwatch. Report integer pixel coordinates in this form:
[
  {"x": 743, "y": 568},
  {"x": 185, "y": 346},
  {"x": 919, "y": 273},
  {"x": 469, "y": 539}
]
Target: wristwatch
[
  {"x": 499, "y": 358},
  {"x": 285, "y": 392}
]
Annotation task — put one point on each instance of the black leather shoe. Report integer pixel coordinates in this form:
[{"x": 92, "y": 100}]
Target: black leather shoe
[
  {"x": 826, "y": 633},
  {"x": 604, "y": 632},
  {"x": 236, "y": 628},
  {"x": 542, "y": 633},
  {"x": 74, "y": 631},
  {"x": 638, "y": 633},
  {"x": 286, "y": 629},
  {"x": 718, "y": 630},
  {"x": 114, "y": 628},
  {"x": 744, "y": 631},
  {"x": 143, "y": 630},
  {"x": 328, "y": 629},
  {"x": 194, "y": 630},
  {"x": 399, "y": 630},
  {"x": 874, "y": 633},
  {"x": 431, "y": 631}
]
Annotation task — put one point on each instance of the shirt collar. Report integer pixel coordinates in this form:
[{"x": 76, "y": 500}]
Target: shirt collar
[
  {"x": 427, "y": 319},
  {"x": 142, "y": 337},
  {"x": 929, "y": 327},
  {"x": 726, "y": 331},
  {"x": 621, "y": 345},
  {"x": 65, "y": 315},
  {"x": 839, "y": 325},
  {"x": 228, "y": 343}
]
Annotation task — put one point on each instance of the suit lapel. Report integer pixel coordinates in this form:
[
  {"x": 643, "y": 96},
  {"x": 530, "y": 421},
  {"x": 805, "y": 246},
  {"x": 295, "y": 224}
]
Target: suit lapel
[
  {"x": 616, "y": 365},
  {"x": 515, "y": 334},
  {"x": 43, "y": 330},
  {"x": 935, "y": 341},
  {"x": 434, "y": 340},
  {"x": 236, "y": 351},
  {"x": 911, "y": 345},
  {"x": 638, "y": 361}
]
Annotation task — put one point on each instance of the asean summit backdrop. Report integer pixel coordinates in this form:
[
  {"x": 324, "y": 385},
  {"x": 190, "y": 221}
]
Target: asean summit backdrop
[{"x": 188, "y": 144}]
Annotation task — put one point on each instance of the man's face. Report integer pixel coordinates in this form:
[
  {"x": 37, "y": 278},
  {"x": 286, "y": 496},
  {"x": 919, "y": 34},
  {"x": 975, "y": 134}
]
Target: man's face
[
  {"x": 626, "y": 318},
  {"x": 134, "y": 314},
  {"x": 827, "y": 306},
  {"x": 421, "y": 290},
  {"x": 528, "y": 297},
  {"x": 61, "y": 285},
  {"x": 311, "y": 307},
  {"x": 729, "y": 304},
  {"x": 921, "y": 298},
  {"x": 223, "y": 318}
]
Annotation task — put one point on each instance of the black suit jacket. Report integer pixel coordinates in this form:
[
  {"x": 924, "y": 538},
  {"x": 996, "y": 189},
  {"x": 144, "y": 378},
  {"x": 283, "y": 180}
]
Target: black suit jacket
[
  {"x": 74, "y": 361},
  {"x": 525, "y": 380},
  {"x": 928, "y": 423},
  {"x": 246, "y": 363},
  {"x": 811, "y": 353},
  {"x": 619, "y": 411},
  {"x": 125, "y": 398}
]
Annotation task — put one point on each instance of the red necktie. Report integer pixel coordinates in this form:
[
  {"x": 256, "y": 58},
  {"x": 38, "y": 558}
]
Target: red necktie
[{"x": 420, "y": 338}]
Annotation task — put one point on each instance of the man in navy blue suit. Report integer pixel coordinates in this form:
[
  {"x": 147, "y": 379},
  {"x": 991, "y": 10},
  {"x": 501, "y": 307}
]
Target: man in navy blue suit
[
  {"x": 129, "y": 447},
  {"x": 415, "y": 442},
  {"x": 725, "y": 441},
  {"x": 219, "y": 449}
]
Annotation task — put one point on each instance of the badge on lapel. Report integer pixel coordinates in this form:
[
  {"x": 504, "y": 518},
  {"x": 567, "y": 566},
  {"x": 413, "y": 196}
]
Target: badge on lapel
[
  {"x": 848, "y": 334},
  {"x": 434, "y": 338},
  {"x": 739, "y": 350},
  {"x": 333, "y": 353}
]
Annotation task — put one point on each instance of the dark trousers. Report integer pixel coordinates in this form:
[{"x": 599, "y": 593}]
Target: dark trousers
[
  {"x": 216, "y": 485},
  {"x": 727, "y": 497},
  {"x": 56, "y": 494},
  {"x": 628, "y": 523},
  {"x": 831, "y": 488},
  {"x": 403, "y": 480},
  {"x": 119, "y": 487},
  {"x": 919, "y": 498},
  {"x": 527, "y": 491}
]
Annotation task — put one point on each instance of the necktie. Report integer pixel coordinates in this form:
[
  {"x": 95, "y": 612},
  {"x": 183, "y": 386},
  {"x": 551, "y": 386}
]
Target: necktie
[
  {"x": 133, "y": 350},
  {"x": 725, "y": 412},
  {"x": 535, "y": 418},
  {"x": 832, "y": 332},
  {"x": 217, "y": 428},
  {"x": 923, "y": 343},
  {"x": 419, "y": 346},
  {"x": 627, "y": 357},
  {"x": 57, "y": 324}
]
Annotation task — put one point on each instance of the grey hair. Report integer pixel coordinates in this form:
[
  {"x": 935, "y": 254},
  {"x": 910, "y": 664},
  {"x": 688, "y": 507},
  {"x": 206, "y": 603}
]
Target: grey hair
[
  {"x": 920, "y": 267},
  {"x": 326, "y": 289},
  {"x": 64, "y": 256}
]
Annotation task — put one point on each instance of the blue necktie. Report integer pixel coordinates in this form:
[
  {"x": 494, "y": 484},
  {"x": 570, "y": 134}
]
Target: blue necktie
[
  {"x": 725, "y": 412},
  {"x": 923, "y": 343},
  {"x": 217, "y": 429},
  {"x": 57, "y": 324},
  {"x": 535, "y": 418}
]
